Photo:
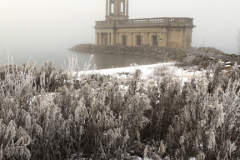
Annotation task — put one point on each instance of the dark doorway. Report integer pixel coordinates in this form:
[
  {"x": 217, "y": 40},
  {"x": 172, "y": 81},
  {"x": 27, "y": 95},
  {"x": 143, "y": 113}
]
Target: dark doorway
[
  {"x": 139, "y": 40},
  {"x": 155, "y": 41},
  {"x": 106, "y": 41},
  {"x": 124, "y": 40}
]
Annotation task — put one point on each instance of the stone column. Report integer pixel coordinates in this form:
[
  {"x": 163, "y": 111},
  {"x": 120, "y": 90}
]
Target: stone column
[
  {"x": 181, "y": 39},
  {"x": 151, "y": 40},
  {"x": 166, "y": 36},
  {"x": 109, "y": 39},
  {"x": 130, "y": 39},
  {"x": 117, "y": 38},
  {"x": 159, "y": 41},
  {"x": 110, "y": 7},
  {"x": 146, "y": 38},
  {"x": 165, "y": 39},
  {"x": 106, "y": 7},
  {"x": 115, "y": 6},
  {"x": 112, "y": 38},
  {"x": 100, "y": 38},
  {"x": 134, "y": 40},
  {"x": 96, "y": 38},
  {"x": 143, "y": 38},
  {"x": 119, "y": 8},
  {"x": 127, "y": 8}
]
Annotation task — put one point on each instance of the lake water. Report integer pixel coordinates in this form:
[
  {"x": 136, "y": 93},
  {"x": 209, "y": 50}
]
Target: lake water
[{"x": 102, "y": 60}]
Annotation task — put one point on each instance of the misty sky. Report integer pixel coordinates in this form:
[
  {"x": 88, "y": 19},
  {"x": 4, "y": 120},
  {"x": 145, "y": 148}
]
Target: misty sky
[{"x": 36, "y": 24}]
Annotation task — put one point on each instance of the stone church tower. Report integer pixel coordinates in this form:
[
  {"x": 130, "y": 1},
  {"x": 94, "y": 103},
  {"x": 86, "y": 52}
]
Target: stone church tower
[
  {"x": 118, "y": 29},
  {"x": 116, "y": 10}
]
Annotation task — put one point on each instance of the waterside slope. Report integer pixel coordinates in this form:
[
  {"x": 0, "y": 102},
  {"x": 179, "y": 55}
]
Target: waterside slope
[{"x": 160, "y": 53}]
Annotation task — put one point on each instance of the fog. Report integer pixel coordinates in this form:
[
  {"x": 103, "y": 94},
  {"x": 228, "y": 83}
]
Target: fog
[{"x": 27, "y": 25}]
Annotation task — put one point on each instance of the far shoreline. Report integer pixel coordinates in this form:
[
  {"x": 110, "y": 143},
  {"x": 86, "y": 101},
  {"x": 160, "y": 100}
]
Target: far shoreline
[{"x": 163, "y": 54}]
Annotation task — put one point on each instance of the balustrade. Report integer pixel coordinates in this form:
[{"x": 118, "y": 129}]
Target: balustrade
[
  {"x": 148, "y": 21},
  {"x": 156, "y": 20}
]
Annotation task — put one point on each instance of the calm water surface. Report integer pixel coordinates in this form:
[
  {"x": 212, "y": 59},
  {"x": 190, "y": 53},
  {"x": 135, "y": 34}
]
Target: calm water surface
[{"x": 102, "y": 60}]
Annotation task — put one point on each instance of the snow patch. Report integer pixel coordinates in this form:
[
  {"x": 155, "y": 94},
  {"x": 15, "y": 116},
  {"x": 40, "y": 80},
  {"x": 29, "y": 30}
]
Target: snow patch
[{"x": 148, "y": 71}]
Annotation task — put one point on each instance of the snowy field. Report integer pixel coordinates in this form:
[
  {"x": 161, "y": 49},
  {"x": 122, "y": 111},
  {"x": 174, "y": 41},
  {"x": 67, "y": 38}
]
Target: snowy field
[{"x": 148, "y": 71}]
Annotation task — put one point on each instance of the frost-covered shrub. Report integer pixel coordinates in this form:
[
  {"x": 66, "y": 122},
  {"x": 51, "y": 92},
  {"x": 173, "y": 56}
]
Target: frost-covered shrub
[
  {"x": 192, "y": 119},
  {"x": 90, "y": 117},
  {"x": 208, "y": 122},
  {"x": 49, "y": 78},
  {"x": 196, "y": 60},
  {"x": 49, "y": 114},
  {"x": 165, "y": 96},
  {"x": 109, "y": 130}
]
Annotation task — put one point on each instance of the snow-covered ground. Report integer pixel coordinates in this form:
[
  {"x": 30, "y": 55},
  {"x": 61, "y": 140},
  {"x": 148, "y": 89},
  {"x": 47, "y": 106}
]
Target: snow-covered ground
[{"x": 150, "y": 71}]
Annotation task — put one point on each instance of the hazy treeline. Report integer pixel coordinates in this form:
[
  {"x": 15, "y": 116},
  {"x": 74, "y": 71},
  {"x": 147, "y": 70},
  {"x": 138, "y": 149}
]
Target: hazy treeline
[{"x": 49, "y": 114}]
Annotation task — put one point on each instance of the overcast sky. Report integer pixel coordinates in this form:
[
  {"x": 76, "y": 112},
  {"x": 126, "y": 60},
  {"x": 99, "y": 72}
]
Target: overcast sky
[{"x": 27, "y": 24}]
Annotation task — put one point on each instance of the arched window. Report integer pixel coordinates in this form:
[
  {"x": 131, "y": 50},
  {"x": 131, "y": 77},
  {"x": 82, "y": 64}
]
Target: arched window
[
  {"x": 122, "y": 5},
  {"x": 106, "y": 41},
  {"x": 139, "y": 40},
  {"x": 155, "y": 41},
  {"x": 112, "y": 7},
  {"x": 124, "y": 40}
]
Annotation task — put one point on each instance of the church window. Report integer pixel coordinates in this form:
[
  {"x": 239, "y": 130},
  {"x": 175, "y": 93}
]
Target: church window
[
  {"x": 122, "y": 5},
  {"x": 112, "y": 8},
  {"x": 139, "y": 40},
  {"x": 155, "y": 41},
  {"x": 106, "y": 41}
]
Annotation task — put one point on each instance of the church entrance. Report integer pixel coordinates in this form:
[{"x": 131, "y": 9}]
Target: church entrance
[
  {"x": 124, "y": 40},
  {"x": 155, "y": 41},
  {"x": 106, "y": 41},
  {"x": 139, "y": 40}
]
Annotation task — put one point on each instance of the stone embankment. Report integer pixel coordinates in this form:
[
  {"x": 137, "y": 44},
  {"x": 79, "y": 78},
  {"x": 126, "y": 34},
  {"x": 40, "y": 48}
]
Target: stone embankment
[
  {"x": 160, "y": 53},
  {"x": 194, "y": 56}
]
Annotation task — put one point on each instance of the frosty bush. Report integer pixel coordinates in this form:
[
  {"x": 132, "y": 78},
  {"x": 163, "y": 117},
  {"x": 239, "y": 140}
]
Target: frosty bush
[
  {"x": 208, "y": 120},
  {"x": 50, "y": 114}
]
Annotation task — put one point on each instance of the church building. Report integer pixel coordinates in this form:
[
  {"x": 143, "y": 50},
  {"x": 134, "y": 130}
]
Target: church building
[{"x": 118, "y": 29}]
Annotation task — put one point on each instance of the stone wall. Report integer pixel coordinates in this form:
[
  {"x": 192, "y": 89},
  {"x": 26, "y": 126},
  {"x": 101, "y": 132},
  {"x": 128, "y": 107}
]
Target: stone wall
[{"x": 161, "y": 53}]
